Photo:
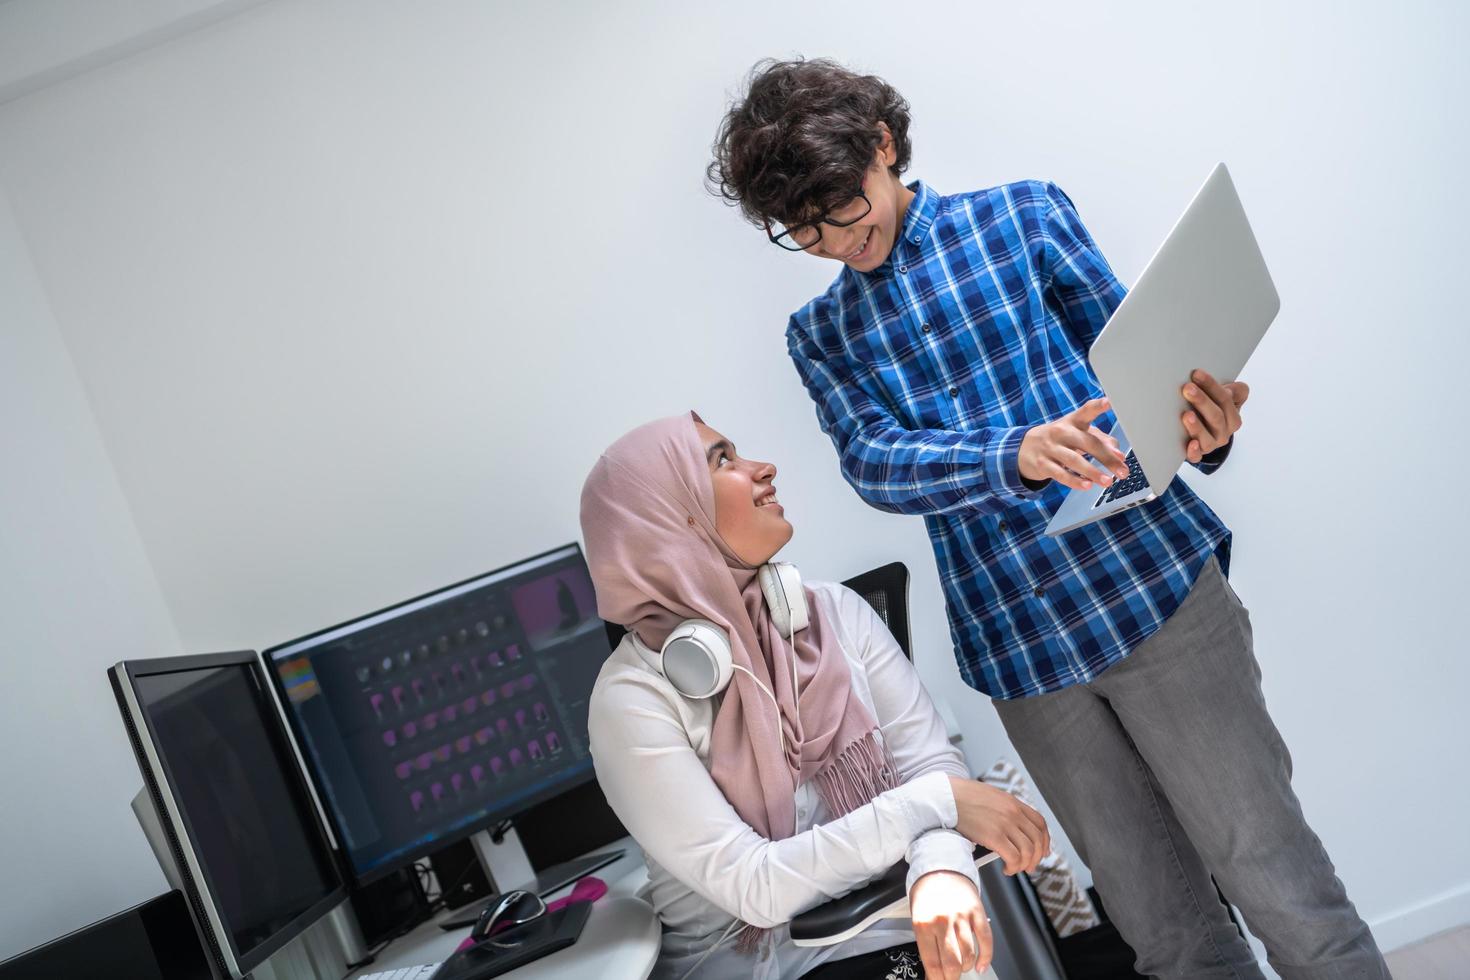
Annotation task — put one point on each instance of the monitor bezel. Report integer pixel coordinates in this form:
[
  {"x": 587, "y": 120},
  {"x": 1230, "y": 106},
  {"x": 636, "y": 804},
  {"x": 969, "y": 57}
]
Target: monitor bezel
[
  {"x": 195, "y": 879},
  {"x": 319, "y": 795}
]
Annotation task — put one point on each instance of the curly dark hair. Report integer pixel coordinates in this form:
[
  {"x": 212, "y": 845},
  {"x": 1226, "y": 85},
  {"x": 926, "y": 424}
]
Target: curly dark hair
[{"x": 799, "y": 143}]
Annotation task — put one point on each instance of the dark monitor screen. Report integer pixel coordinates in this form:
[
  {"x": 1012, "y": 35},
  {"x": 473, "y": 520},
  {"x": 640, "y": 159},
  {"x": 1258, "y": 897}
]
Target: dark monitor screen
[
  {"x": 245, "y": 810},
  {"x": 151, "y": 941},
  {"x": 431, "y": 720}
]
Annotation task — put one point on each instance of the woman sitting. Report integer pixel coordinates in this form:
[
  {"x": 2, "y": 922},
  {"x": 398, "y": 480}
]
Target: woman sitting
[{"x": 782, "y": 751}]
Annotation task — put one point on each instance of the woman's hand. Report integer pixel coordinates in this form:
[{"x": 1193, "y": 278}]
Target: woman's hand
[
  {"x": 950, "y": 926},
  {"x": 996, "y": 819}
]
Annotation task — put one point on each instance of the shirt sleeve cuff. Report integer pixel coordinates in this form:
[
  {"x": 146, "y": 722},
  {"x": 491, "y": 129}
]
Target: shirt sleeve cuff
[
  {"x": 941, "y": 850},
  {"x": 928, "y": 803},
  {"x": 1212, "y": 461},
  {"x": 1003, "y": 464}
]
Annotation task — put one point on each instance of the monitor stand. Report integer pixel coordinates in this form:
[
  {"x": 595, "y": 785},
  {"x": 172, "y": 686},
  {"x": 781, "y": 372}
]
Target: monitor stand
[
  {"x": 505, "y": 861},
  {"x": 325, "y": 951}
]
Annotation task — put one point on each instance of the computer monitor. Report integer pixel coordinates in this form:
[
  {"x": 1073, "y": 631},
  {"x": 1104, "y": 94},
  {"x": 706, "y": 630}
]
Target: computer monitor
[
  {"x": 243, "y": 838},
  {"x": 426, "y": 722}
]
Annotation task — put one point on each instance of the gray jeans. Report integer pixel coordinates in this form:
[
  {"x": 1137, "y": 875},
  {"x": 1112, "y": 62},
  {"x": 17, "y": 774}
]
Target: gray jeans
[{"x": 1167, "y": 768}]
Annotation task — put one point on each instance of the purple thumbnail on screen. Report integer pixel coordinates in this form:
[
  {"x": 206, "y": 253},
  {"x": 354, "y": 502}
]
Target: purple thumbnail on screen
[
  {"x": 403, "y": 770},
  {"x": 475, "y": 664},
  {"x": 528, "y": 682},
  {"x": 468, "y": 705},
  {"x": 487, "y": 698},
  {"x": 516, "y": 759},
  {"x": 449, "y": 714},
  {"x": 484, "y": 735},
  {"x": 390, "y": 738},
  {"x": 457, "y": 781},
  {"x": 437, "y": 791},
  {"x": 513, "y": 652},
  {"x": 377, "y": 702},
  {"x": 542, "y": 714},
  {"x": 430, "y": 721},
  {"x": 424, "y": 761},
  {"x": 521, "y": 718},
  {"x": 462, "y": 744},
  {"x": 495, "y": 659},
  {"x": 553, "y": 743},
  {"x": 502, "y": 725},
  {"x": 497, "y": 765},
  {"x": 508, "y": 689},
  {"x": 443, "y": 752},
  {"x": 398, "y": 696},
  {"x": 410, "y": 729},
  {"x": 477, "y": 773},
  {"x": 418, "y": 688},
  {"x": 416, "y": 800},
  {"x": 553, "y": 606},
  {"x": 535, "y": 749}
]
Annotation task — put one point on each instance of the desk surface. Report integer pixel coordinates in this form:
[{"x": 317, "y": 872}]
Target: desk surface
[{"x": 621, "y": 938}]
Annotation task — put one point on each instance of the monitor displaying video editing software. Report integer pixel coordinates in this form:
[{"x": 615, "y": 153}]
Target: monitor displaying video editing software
[{"x": 433, "y": 719}]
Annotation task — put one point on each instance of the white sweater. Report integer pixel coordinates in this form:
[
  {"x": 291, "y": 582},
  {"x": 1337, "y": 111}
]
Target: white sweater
[{"x": 708, "y": 868}]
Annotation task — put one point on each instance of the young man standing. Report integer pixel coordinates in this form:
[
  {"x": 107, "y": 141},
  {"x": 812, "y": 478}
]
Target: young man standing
[{"x": 948, "y": 364}]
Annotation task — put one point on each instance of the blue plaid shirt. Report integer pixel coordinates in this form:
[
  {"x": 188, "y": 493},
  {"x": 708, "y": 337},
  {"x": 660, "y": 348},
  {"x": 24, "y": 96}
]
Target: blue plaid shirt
[{"x": 927, "y": 372}]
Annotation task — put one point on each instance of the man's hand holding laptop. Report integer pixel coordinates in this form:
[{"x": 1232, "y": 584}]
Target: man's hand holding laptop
[
  {"x": 1077, "y": 454},
  {"x": 1216, "y": 415}
]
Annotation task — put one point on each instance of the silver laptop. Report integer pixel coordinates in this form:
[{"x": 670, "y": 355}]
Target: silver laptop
[{"x": 1204, "y": 301}]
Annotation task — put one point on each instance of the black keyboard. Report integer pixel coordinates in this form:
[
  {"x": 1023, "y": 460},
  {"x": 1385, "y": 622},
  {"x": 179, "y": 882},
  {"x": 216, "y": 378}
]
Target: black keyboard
[{"x": 1121, "y": 488}]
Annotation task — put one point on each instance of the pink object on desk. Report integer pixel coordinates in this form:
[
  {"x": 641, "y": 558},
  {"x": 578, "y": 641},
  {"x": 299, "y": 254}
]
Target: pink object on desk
[{"x": 588, "y": 889}]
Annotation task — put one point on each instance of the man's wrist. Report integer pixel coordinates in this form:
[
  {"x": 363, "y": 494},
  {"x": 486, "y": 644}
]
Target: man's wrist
[
  {"x": 1217, "y": 455},
  {"x": 1030, "y": 484},
  {"x": 1003, "y": 462}
]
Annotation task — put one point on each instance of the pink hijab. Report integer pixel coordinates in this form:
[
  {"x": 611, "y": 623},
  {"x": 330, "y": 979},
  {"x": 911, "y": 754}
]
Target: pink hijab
[{"x": 648, "y": 519}]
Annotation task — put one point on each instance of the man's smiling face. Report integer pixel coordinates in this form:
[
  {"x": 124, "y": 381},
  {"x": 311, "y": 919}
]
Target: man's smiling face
[{"x": 862, "y": 232}]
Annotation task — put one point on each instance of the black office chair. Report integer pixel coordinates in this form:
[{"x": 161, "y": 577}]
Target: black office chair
[{"x": 1023, "y": 944}]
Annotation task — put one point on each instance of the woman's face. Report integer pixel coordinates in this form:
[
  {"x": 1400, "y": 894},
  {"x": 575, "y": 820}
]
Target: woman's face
[{"x": 747, "y": 515}]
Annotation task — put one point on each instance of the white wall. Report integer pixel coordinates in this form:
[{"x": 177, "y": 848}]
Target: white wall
[
  {"x": 76, "y": 596},
  {"x": 358, "y": 290}
]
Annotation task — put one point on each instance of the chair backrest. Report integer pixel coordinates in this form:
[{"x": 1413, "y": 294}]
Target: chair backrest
[{"x": 886, "y": 589}]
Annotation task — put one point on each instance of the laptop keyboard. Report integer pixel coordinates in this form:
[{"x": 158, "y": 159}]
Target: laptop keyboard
[{"x": 1135, "y": 482}]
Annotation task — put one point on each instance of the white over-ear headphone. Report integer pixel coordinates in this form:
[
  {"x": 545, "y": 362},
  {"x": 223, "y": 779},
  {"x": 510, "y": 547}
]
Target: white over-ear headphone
[{"x": 696, "y": 655}]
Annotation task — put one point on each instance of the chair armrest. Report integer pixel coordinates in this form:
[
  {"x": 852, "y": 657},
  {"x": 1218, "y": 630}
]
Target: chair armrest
[{"x": 885, "y": 897}]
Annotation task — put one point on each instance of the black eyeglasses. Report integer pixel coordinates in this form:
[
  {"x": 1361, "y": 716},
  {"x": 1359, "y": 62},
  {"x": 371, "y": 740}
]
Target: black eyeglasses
[{"x": 799, "y": 238}]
